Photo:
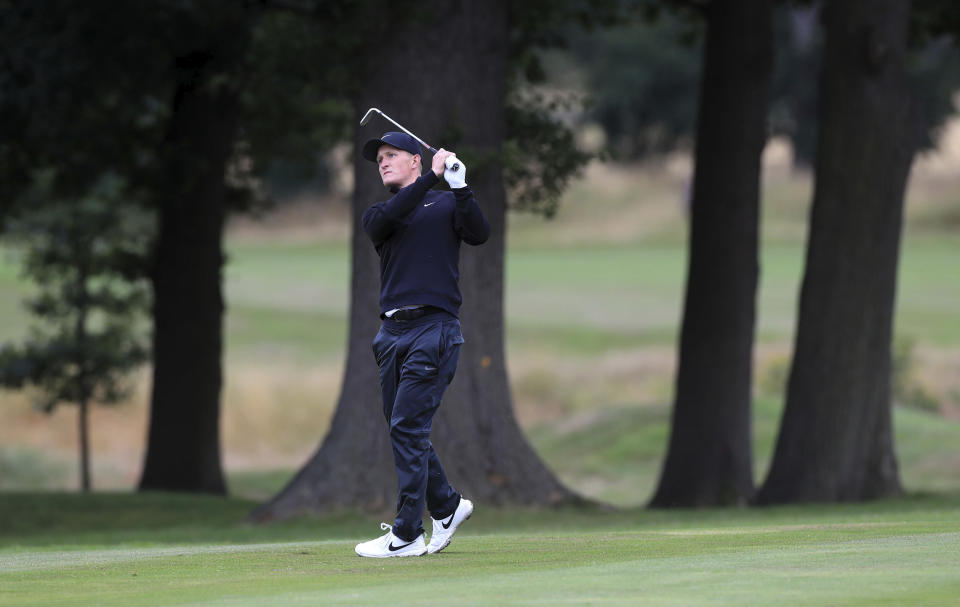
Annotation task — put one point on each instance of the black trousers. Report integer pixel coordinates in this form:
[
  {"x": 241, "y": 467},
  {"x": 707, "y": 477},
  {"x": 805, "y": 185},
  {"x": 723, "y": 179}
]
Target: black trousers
[{"x": 417, "y": 360}]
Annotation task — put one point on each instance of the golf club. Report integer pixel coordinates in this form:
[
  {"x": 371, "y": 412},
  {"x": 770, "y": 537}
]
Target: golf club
[{"x": 366, "y": 118}]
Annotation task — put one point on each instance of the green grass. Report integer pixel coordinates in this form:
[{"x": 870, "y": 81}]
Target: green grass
[
  {"x": 614, "y": 453},
  {"x": 928, "y": 301},
  {"x": 27, "y": 468},
  {"x": 292, "y": 297},
  {"x": 582, "y": 299},
  {"x": 176, "y": 550}
]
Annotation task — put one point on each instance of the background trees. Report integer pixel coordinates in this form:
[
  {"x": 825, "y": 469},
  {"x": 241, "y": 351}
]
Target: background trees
[
  {"x": 161, "y": 106},
  {"x": 198, "y": 100}
]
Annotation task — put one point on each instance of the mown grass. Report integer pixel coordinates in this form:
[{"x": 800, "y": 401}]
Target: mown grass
[
  {"x": 581, "y": 299},
  {"x": 157, "y": 549}
]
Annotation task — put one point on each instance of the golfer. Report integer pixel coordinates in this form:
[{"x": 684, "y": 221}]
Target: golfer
[{"x": 417, "y": 235}]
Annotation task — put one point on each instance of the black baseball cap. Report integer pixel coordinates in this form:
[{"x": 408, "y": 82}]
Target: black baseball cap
[{"x": 400, "y": 141}]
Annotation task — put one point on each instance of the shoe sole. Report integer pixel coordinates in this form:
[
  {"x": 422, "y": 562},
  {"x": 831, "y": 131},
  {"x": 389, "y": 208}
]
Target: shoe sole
[
  {"x": 391, "y": 556},
  {"x": 450, "y": 539}
]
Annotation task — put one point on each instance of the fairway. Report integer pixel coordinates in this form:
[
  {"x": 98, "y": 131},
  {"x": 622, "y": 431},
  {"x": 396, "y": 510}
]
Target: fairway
[{"x": 891, "y": 553}]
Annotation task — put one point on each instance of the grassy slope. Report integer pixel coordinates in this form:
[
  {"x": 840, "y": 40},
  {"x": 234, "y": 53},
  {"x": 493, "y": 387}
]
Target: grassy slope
[{"x": 615, "y": 454}]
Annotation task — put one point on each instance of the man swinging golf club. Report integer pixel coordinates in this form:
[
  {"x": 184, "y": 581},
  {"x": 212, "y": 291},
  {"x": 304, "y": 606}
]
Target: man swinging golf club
[{"x": 417, "y": 234}]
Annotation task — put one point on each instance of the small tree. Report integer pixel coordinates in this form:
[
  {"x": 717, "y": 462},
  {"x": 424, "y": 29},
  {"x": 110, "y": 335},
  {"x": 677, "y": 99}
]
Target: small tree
[{"x": 85, "y": 259}]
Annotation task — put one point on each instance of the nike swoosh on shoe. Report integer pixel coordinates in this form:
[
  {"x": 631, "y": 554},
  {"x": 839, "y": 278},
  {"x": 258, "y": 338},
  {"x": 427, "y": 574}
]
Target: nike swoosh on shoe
[{"x": 393, "y": 548}]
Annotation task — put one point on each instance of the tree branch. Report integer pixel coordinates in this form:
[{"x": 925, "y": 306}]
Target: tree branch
[{"x": 300, "y": 7}]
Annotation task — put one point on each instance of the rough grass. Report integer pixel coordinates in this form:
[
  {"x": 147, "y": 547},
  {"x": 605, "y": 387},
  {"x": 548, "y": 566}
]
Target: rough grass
[
  {"x": 614, "y": 454},
  {"x": 162, "y": 550}
]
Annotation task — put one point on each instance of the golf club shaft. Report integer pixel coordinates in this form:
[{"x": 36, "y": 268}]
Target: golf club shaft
[
  {"x": 366, "y": 118},
  {"x": 402, "y": 128}
]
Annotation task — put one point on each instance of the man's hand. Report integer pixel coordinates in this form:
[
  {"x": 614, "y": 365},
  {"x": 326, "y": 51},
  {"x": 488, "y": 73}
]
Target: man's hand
[
  {"x": 439, "y": 161},
  {"x": 441, "y": 165},
  {"x": 456, "y": 178}
]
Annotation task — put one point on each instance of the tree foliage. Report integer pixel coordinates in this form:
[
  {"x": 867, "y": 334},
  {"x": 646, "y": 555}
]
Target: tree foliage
[
  {"x": 640, "y": 76},
  {"x": 84, "y": 258},
  {"x": 642, "y": 79},
  {"x": 539, "y": 157},
  {"x": 71, "y": 80}
]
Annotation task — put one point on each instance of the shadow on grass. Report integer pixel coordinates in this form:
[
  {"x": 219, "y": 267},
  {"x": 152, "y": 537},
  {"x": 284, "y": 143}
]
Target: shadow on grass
[{"x": 105, "y": 519}]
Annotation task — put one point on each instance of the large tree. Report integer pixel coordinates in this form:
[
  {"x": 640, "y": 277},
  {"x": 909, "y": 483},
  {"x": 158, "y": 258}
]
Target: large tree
[
  {"x": 247, "y": 86},
  {"x": 709, "y": 460},
  {"x": 836, "y": 440},
  {"x": 450, "y": 88},
  {"x": 183, "y": 449}
]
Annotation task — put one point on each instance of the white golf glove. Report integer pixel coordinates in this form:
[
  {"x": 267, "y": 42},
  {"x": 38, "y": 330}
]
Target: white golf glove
[{"x": 455, "y": 178}]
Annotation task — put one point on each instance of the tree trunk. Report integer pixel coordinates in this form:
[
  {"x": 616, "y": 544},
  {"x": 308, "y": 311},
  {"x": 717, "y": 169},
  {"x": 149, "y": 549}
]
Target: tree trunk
[
  {"x": 448, "y": 88},
  {"x": 84, "y": 427},
  {"x": 84, "y": 391},
  {"x": 183, "y": 452},
  {"x": 836, "y": 439},
  {"x": 709, "y": 460}
]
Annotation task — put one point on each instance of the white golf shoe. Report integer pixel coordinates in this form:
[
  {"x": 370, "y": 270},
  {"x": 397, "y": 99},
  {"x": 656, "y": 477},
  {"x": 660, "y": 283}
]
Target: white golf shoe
[
  {"x": 390, "y": 545},
  {"x": 444, "y": 529}
]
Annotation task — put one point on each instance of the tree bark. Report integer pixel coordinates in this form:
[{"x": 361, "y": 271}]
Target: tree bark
[
  {"x": 183, "y": 451},
  {"x": 448, "y": 88},
  {"x": 83, "y": 389},
  {"x": 709, "y": 460},
  {"x": 836, "y": 440},
  {"x": 84, "y": 429}
]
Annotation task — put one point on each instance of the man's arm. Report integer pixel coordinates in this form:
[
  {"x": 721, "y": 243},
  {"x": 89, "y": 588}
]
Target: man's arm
[
  {"x": 468, "y": 220},
  {"x": 380, "y": 220}
]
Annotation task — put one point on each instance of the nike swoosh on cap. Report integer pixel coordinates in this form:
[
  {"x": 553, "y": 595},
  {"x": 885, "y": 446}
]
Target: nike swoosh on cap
[{"x": 426, "y": 204}]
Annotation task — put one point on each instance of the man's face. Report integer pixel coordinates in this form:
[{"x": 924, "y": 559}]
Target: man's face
[{"x": 398, "y": 168}]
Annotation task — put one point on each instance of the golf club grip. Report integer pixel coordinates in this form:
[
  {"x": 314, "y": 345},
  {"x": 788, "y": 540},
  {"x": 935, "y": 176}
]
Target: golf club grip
[{"x": 456, "y": 165}]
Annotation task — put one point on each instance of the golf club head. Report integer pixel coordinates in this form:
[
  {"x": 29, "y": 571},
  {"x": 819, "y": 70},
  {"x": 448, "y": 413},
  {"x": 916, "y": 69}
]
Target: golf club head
[{"x": 366, "y": 117}]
